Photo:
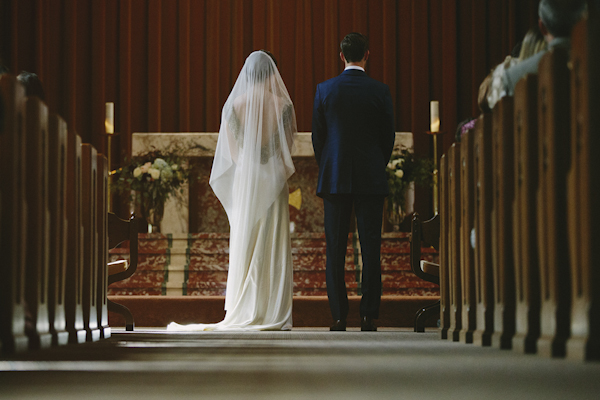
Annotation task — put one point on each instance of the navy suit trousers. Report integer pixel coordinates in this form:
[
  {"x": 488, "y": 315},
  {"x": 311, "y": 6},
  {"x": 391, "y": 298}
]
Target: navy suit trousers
[{"x": 369, "y": 214}]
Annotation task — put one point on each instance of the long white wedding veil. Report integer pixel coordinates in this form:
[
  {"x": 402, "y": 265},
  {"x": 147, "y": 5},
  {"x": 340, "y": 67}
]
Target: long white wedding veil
[{"x": 253, "y": 156}]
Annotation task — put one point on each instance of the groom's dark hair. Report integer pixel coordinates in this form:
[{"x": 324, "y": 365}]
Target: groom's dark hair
[{"x": 354, "y": 46}]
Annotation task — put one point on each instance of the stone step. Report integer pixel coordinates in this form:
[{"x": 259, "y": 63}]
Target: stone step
[{"x": 307, "y": 311}]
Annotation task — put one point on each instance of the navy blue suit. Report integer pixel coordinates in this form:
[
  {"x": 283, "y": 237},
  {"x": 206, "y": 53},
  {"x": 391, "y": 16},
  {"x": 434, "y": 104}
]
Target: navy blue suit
[{"x": 353, "y": 138}]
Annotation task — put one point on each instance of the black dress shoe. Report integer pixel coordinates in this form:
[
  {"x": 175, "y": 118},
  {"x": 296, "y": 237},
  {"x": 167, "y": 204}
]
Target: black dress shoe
[
  {"x": 366, "y": 324},
  {"x": 338, "y": 325}
]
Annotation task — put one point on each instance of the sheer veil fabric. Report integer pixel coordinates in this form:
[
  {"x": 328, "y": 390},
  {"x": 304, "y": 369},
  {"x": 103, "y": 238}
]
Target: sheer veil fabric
[{"x": 249, "y": 177}]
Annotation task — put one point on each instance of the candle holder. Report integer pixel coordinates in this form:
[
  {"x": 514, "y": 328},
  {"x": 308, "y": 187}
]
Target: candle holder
[
  {"x": 436, "y": 206},
  {"x": 111, "y": 172},
  {"x": 109, "y": 131}
]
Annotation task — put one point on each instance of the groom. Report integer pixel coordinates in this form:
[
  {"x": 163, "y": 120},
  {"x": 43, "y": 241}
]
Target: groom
[{"x": 353, "y": 137}]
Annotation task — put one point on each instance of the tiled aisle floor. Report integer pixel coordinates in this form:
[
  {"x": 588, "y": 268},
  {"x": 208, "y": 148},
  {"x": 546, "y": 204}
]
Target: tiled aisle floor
[{"x": 304, "y": 363}]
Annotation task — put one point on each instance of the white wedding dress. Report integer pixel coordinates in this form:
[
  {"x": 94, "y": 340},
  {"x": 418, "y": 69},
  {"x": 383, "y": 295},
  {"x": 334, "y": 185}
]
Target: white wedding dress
[{"x": 249, "y": 176}]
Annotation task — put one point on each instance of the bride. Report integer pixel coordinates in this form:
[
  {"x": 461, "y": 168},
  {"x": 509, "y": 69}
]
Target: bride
[{"x": 249, "y": 176}]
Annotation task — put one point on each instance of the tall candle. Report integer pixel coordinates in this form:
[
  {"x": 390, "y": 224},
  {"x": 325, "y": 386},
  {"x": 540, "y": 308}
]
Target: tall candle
[
  {"x": 109, "y": 122},
  {"x": 435, "y": 116}
]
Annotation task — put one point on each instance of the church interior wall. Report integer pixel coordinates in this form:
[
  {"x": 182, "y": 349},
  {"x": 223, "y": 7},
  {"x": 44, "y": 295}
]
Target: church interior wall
[{"x": 169, "y": 65}]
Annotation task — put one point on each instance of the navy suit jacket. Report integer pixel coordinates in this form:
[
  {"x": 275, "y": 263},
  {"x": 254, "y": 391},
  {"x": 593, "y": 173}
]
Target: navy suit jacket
[{"x": 353, "y": 134}]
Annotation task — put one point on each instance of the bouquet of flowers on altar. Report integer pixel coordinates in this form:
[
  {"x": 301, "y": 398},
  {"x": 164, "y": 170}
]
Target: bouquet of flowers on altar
[
  {"x": 150, "y": 179},
  {"x": 404, "y": 168}
]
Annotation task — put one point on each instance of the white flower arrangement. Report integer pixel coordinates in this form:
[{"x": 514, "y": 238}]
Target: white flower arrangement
[
  {"x": 153, "y": 177},
  {"x": 403, "y": 169}
]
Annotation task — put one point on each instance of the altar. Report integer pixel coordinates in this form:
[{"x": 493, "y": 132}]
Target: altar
[
  {"x": 198, "y": 210},
  {"x": 190, "y": 255}
]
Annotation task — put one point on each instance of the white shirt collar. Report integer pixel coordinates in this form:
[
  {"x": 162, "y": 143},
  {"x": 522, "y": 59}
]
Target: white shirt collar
[{"x": 354, "y": 67}]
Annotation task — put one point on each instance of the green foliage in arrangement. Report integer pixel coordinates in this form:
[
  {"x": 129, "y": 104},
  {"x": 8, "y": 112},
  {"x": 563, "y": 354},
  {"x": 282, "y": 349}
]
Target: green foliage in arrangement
[
  {"x": 403, "y": 169},
  {"x": 151, "y": 178}
]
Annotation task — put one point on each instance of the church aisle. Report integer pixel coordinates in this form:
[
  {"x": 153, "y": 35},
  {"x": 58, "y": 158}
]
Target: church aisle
[{"x": 303, "y": 363}]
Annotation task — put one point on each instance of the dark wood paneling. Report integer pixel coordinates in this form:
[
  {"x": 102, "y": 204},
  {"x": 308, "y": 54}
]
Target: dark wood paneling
[
  {"x": 388, "y": 41},
  {"x": 133, "y": 89},
  {"x": 154, "y": 63},
  {"x": 169, "y": 70},
  {"x": 449, "y": 113},
  {"x": 404, "y": 110},
  {"x": 480, "y": 25},
  {"x": 198, "y": 54},
  {"x": 83, "y": 64},
  {"x": 420, "y": 62},
  {"x": 98, "y": 74},
  {"x": 184, "y": 65},
  {"x": 169, "y": 65}
]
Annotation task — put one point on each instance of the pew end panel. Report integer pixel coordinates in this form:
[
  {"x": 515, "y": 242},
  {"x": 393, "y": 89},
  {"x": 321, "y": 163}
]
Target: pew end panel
[
  {"x": 120, "y": 230},
  {"x": 74, "y": 275},
  {"x": 90, "y": 242},
  {"x": 443, "y": 251},
  {"x": 13, "y": 214},
  {"x": 484, "y": 288},
  {"x": 424, "y": 233},
  {"x": 584, "y": 191},
  {"x": 502, "y": 249},
  {"x": 38, "y": 223},
  {"x": 467, "y": 217},
  {"x": 554, "y": 162},
  {"x": 102, "y": 234},
  {"x": 527, "y": 311},
  {"x": 454, "y": 248},
  {"x": 57, "y": 192}
]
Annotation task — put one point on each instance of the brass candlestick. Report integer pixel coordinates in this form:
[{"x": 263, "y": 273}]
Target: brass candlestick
[
  {"x": 109, "y": 127},
  {"x": 436, "y": 206}
]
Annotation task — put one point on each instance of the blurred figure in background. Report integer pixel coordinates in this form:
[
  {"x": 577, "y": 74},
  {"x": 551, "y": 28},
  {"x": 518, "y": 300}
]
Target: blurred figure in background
[
  {"x": 556, "y": 21},
  {"x": 492, "y": 89},
  {"x": 32, "y": 83}
]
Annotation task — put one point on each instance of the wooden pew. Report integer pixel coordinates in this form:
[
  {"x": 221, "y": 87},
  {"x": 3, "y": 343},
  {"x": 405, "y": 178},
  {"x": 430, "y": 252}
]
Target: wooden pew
[
  {"x": 74, "y": 274},
  {"x": 467, "y": 221},
  {"x": 583, "y": 194},
  {"x": 90, "y": 240},
  {"x": 425, "y": 233},
  {"x": 38, "y": 223},
  {"x": 527, "y": 308},
  {"x": 13, "y": 216},
  {"x": 102, "y": 235},
  {"x": 503, "y": 194},
  {"x": 484, "y": 287},
  {"x": 443, "y": 250},
  {"x": 46, "y": 288},
  {"x": 454, "y": 247},
  {"x": 554, "y": 162},
  {"x": 57, "y": 196},
  {"x": 120, "y": 230}
]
